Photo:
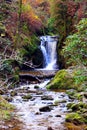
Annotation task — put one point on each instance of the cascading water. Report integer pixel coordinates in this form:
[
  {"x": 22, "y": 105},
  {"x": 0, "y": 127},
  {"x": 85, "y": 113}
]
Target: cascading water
[{"x": 48, "y": 48}]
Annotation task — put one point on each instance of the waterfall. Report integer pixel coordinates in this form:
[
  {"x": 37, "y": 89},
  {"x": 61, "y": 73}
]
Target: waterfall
[{"x": 48, "y": 47}]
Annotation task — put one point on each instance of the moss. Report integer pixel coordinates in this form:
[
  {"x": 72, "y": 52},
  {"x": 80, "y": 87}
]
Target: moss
[
  {"x": 79, "y": 96},
  {"x": 62, "y": 80},
  {"x": 75, "y": 118},
  {"x": 71, "y": 93},
  {"x": 77, "y": 106},
  {"x": 81, "y": 113},
  {"x": 26, "y": 97},
  {"x": 5, "y": 109},
  {"x": 71, "y": 78}
]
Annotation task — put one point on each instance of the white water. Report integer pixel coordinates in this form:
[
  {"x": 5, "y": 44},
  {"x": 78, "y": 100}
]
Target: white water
[
  {"x": 48, "y": 48},
  {"x": 26, "y": 110}
]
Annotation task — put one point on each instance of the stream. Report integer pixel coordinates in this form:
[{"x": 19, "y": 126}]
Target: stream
[
  {"x": 43, "y": 110},
  {"x": 36, "y": 107}
]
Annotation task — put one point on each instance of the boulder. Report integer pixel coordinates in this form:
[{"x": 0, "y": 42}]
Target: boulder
[
  {"x": 45, "y": 109},
  {"x": 45, "y": 97},
  {"x": 27, "y": 97}
]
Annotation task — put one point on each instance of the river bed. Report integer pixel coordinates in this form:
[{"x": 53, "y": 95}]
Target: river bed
[{"x": 44, "y": 110}]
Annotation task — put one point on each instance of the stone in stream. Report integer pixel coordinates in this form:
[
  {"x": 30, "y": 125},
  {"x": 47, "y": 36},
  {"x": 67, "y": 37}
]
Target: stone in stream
[
  {"x": 36, "y": 87},
  {"x": 45, "y": 109},
  {"x": 37, "y": 113},
  {"x": 49, "y": 128},
  {"x": 39, "y": 93},
  {"x": 13, "y": 93},
  {"x": 27, "y": 97},
  {"x": 32, "y": 99},
  {"x": 8, "y": 98},
  {"x": 58, "y": 116},
  {"x": 47, "y": 97}
]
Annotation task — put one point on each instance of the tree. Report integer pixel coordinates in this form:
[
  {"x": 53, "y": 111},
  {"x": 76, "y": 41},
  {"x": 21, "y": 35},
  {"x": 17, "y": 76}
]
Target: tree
[
  {"x": 75, "y": 50},
  {"x": 67, "y": 13}
]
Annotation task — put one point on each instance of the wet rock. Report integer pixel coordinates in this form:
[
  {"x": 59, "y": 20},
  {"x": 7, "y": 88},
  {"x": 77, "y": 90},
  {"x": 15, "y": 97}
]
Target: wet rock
[
  {"x": 58, "y": 116},
  {"x": 13, "y": 93},
  {"x": 56, "y": 102},
  {"x": 50, "y": 103},
  {"x": 75, "y": 118},
  {"x": 27, "y": 97},
  {"x": 32, "y": 91},
  {"x": 49, "y": 128},
  {"x": 77, "y": 106},
  {"x": 44, "y": 102},
  {"x": 71, "y": 93},
  {"x": 37, "y": 113},
  {"x": 32, "y": 99},
  {"x": 62, "y": 105},
  {"x": 50, "y": 116},
  {"x": 45, "y": 109},
  {"x": 36, "y": 87},
  {"x": 8, "y": 98},
  {"x": 62, "y": 101},
  {"x": 62, "y": 95},
  {"x": 39, "y": 93},
  {"x": 46, "y": 97}
]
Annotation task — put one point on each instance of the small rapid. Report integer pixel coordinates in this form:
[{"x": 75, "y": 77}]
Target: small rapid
[{"x": 41, "y": 111}]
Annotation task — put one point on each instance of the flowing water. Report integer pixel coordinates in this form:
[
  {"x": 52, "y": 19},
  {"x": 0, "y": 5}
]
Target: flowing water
[
  {"x": 45, "y": 110},
  {"x": 29, "y": 110},
  {"x": 42, "y": 111},
  {"x": 48, "y": 47},
  {"x": 36, "y": 107}
]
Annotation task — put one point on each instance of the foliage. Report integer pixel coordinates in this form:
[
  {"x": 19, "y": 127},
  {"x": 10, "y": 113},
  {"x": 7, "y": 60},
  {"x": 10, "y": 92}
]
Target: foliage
[
  {"x": 51, "y": 28},
  {"x": 5, "y": 109},
  {"x": 66, "y": 14},
  {"x": 75, "y": 50},
  {"x": 41, "y": 8},
  {"x": 75, "y": 118},
  {"x": 29, "y": 47}
]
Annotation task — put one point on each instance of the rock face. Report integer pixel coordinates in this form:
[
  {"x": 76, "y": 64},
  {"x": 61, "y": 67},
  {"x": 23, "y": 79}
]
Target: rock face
[{"x": 38, "y": 58}]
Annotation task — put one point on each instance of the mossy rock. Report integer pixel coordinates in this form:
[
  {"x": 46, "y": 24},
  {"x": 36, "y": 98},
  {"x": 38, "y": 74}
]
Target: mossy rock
[
  {"x": 77, "y": 107},
  {"x": 13, "y": 93},
  {"x": 75, "y": 118},
  {"x": 62, "y": 80},
  {"x": 36, "y": 87},
  {"x": 71, "y": 78},
  {"x": 71, "y": 93},
  {"x": 5, "y": 109},
  {"x": 26, "y": 97}
]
